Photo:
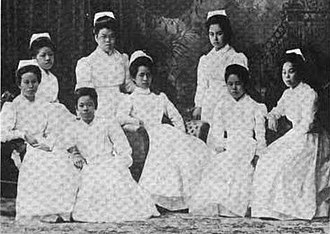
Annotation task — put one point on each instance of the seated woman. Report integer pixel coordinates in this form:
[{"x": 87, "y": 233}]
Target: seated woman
[
  {"x": 46, "y": 181},
  {"x": 292, "y": 177},
  {"x": 107, "y": 191},
  {"x": 227, "y": 180},
  {"x": 175, "y": 160},
  {"x": 287, "y": 179}
]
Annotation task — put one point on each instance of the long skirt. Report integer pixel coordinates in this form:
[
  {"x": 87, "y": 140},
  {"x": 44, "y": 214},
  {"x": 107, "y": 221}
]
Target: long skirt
[
  {"x": 47, "y": 183},
  {"x": 173, "y": 166},
  {"x": 108, "y": 193},
  {"x": 226, "y": 185},
  {"x": 292, "y": 178}
]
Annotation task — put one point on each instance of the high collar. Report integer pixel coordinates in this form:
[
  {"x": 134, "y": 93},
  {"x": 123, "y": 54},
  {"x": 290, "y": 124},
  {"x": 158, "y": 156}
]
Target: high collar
[
  {"x": 101, "y": 52},
  {"x": 139, "y": 90},
  {"x": 222, "y": 50},
  {"x": 297, "y": 88}
]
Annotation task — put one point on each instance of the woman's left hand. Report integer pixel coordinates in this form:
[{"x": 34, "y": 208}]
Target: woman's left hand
[{"x": 254, "y": 161}]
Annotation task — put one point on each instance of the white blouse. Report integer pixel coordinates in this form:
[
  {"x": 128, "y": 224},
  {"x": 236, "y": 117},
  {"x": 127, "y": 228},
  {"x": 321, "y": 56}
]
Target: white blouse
[
  {"x": 211, "y": 71},
  {"x": 299, "y": 105},
  {"x": 100, "y": 140},
  {"x": 48, "y": 87},
  {"x": 100, "y": 70},
  {"x": 242, "y": 120},
  {"x": 148, "y": 107}
]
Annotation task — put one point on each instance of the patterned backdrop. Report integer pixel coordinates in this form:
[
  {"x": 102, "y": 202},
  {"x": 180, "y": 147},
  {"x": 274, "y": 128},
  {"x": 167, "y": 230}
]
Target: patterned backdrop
[{"x": 173, "y": 32}]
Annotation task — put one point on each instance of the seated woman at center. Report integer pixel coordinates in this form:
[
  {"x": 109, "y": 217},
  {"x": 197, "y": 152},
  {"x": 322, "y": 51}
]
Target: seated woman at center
[
  {"x": 175, "y": 160},
  {"x": 238, "y": 137}
]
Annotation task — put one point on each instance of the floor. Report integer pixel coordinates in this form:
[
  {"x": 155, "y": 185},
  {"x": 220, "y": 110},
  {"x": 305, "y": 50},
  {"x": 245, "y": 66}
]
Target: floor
[{"x": 171, "y": 223}]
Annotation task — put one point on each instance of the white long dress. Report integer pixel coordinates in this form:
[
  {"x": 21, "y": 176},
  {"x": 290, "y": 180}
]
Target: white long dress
[
  {"x": 106, "y": 73},
  {"x": 47, "y": 181},
  {"x": 175, "y": 160},
  {"x": 107, "y": 192},
  {"x": 211, "y": 83},
  {"x": 48, "y": 87},
  {"x": 227, "y": 180},
  {"x": 288, "y": 174}
]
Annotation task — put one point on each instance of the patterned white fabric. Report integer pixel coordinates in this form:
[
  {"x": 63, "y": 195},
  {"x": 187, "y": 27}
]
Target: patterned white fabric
[
  {"x": 227, "y": 180},
  {"x": 211, "y": 83}
]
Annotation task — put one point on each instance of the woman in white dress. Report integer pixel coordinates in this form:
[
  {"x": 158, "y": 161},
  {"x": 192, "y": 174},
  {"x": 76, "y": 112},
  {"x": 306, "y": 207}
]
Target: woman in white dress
[
  {"x": 211, "y": 83},
  {"x": 292, "y": 176},
  {"x": 42, "y": 49},
  {"x": 175, "y": 160},
  {"x": 107, "y": 192},
  {"x": 46, "y": 182},
  {"x": 106, "y": 69},
  {"x": 238, "y": 137}
]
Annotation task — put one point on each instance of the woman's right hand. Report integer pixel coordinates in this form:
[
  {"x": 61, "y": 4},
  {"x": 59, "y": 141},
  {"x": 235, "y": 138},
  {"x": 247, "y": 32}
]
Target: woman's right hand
[
  {"x": 197, "y": 112},
  {"x": 220, "y": 149},
  {"x": 272, "y": 122}
]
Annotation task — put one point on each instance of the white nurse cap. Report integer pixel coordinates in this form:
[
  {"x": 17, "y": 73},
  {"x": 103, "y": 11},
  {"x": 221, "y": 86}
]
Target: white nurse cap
[
  {"x": 138, "y": 54},
  {"x": 103, "y": 13},
  {"x": 24, "y": 63},
  {"x": 217, "y": 12},
  {"x": 296, "y": 51},
  {"x": 35, "y": 36}
]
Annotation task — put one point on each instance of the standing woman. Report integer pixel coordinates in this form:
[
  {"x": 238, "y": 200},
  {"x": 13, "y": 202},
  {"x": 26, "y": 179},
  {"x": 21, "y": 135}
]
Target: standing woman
[
  {"x": 211, "y": 83},
  {"x": 105, "y": 69},
  {"x": 42, "y": 49},
  {"x": 46, "y": 181},
  {"x": 292, "y": 178}
]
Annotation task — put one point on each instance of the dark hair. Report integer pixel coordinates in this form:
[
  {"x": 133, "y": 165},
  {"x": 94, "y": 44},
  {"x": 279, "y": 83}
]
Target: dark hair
[
  {"x": 84, "y": 91},
  {"x": 141, "y": 61},
  {"x": 241, "y": 72},
  {"x": 298, "y": 64},
  {"x": 40, "y": 43},
  {"x": 224, "y": 24},
  {"x": 106, "y": 22},
  {"x": 29, "y": 68},
  {"x": 144, "y": 61}
]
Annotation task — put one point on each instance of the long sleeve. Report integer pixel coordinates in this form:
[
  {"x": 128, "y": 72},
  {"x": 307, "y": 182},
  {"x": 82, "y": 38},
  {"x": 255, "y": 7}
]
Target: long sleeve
[
  {"x": 279, "y": 110},
  {"x": 123, "y": 114},
  {"x": 121, "y": 145},
  {"x": 84, "y": 74},
  {"x": 308, "y": 110},
  {"x": 8, "y": 121},
  {"x": 241, "y": 59},
  {"x": 59, "y": 119},
  {"x": 172, "y": 113},
  {"x": 216, "y": 136},
  {"x": 202, "y": 83},
  {"x": 129, "y": 85},
  {"x": 260, "y": 129}
]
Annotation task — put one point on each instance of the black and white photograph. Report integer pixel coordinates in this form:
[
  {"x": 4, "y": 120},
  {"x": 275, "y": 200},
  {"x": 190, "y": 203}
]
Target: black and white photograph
[{"x": 165, "y": 116}]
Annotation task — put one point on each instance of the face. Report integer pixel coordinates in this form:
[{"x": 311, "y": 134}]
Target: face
[
  {"x": 143, "y": 77},
  {"x": 106, "y": 39},
  {"x": 86, "y": 108},
  {"x": 29, "y": 85},
  {"x": 45, "y": 58},
  {"x": 289, "y": 75},
  {"x": 216, "y": 36},
  {"x": 235, "y": 87}
]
